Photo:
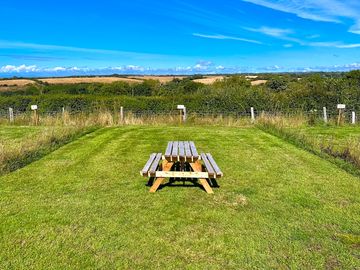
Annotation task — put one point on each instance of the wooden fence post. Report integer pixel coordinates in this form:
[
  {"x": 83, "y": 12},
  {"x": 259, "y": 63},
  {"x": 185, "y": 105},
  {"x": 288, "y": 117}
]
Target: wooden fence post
[
  {"x": 353, "y": 118},
  {"x": 325, "y": 115},
  {"x": 11, "y": 115},
  {"x": 252, "y": 114},
  {"x": 36, "y": 117},
  {"x": 34, "y": 108},
  {"x": 121, "y": 114},
  {"x": 341, "y": 108}
]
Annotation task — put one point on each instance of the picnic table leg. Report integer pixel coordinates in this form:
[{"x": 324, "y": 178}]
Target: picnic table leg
[
  {"x": 166, "y": 166},
  {"x": 197, "y": 167}
]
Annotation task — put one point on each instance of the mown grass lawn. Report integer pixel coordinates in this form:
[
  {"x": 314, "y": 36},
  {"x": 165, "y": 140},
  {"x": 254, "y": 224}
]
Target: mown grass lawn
[{"x": 85, "y": 206}]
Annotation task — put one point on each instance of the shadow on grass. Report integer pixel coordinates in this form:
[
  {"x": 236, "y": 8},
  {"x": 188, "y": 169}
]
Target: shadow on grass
[{"x": 183, "y": 182}]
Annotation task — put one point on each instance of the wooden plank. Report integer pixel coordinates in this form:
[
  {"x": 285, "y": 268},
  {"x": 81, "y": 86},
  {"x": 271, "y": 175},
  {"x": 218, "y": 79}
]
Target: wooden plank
[
  {"x": 168, "y": 151},
  {"x": 197, "y": 167},
  {"x": 187, "y": 151},
  {"x": 206, "y": 186},
  {"x": 175, "y": 151},
  {"x": 181, "y": 151},
  {"x": 154, "y": 165},
  {"x": 158, "y": 181},
  {"x": 156, "y": 184},
  {"x": 214, "y": 165},
  {"x": 146, "y": 168},
  {"x": 172, "y": 174},
  {"x": 208, "y": 166},
  {"x": 194, "y": 152}
]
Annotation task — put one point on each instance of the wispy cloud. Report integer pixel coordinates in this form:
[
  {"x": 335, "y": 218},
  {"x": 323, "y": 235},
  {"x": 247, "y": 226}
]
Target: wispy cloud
[
  {"x": 218, "y": 36},
  {"x": 32, "y": 57},
  {"x": 322, "y": 10},
  {"x": 283, "y": 34},
  {"x": 4, "y": 44},
  {"x": 279, "y": 33},
  {"x": 335, "y": 44},
  {"x": 274, "y": 32}
]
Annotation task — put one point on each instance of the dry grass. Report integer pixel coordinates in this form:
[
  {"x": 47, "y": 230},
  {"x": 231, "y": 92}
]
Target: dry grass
[
  {"x": 14, "y": 155},
  {"x": 258, "y": 82},
  {"x": 162, "y": 79},
  {"x": 283, "y": 121},
  {"x": 71, "y": 80},
  {"x": 7, "y": 85},
  {"x": 210, "y": 79},
  {"x": 106, "y": 118},
  {"x": 16, "y": 82}
]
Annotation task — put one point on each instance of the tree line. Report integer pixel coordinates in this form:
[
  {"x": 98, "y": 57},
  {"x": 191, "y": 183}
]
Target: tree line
[{"x": 235, "y": 93}]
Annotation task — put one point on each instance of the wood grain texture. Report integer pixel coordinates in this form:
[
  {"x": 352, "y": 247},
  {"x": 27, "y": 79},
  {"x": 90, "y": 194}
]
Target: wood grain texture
[
  {"x": 166, "y": 166},
  {"x": 146, "y": 168},
  {"x": 214, "y": 165}
]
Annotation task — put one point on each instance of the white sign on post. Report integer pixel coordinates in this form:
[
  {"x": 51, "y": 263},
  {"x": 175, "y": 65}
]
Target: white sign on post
[
  {"x": 341, "y": 106},
  {"x": 34, "y": 107},
  {"x": 180, "y": 107}
]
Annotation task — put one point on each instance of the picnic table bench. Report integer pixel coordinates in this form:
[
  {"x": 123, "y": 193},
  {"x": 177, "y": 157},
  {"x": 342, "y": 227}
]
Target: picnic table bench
[{"x": 181, "y": 161}]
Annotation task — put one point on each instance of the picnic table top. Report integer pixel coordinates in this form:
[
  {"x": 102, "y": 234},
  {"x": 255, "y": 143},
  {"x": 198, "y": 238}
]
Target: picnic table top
[{"x": 181, "y": 151}]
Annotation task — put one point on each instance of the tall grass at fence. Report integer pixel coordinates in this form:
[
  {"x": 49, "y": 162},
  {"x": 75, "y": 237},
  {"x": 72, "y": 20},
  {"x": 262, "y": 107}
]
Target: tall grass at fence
[
  {"x": 14, "y": 155},
  {"x": 346, "y": 155},
  {"x": 106, "y": 118}
]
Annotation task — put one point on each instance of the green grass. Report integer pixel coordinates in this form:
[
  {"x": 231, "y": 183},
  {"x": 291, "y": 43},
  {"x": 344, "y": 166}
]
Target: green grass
[
  {"x": 339, "y": 136},
  {"x": 85, "y": 206},
  {"x": 16, "y": 134},
  {"x": 21, "y": 145}
]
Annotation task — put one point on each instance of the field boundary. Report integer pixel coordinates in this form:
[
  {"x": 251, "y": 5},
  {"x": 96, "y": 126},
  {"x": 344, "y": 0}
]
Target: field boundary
[
  {"x": 301, "y": 143},
  {"x": 30, "y": 156}
]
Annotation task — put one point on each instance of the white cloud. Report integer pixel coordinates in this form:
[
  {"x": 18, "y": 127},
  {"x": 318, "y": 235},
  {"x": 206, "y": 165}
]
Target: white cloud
[
  {"x": 313, "y": 36},
  {"x": 218, "y": 36},
  {"x": 283, "y": 35},
  {"x": 334, "y": 44},
  {"x": 355, "y": 29},
  {"x": 274, "y": 32},
  {"x": 17, "y": 69},
  {"x": 33, "y": 71},
  {"x": 4, "y": 44},
  {"x": 349, "y": 46},
  {"x": 321, "y": 10},
  {"x": 59, "y": 69}
]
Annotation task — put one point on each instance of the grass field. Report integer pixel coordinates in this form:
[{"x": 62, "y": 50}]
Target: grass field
[
  {"x": 20, "y": 145},
  {"x": 12, "y": 84},
  {"x": 340, "y": 136},
  {"x": 17, "y": 134},
  {"x": 85, "y": 206},
  {"x": 70, "y": 80}
]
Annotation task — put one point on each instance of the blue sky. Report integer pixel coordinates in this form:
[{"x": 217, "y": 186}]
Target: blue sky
[{"x": 57, "y": 38}]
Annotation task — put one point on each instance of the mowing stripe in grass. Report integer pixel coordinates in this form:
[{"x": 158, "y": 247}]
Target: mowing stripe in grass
[
  {"x": 29, "y": 155},
  {"x": 86, "y": 206},
  {"x": 298, "y": 141}
]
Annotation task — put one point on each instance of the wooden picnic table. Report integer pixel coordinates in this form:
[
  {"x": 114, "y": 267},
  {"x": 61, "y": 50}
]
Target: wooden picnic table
[{"x": 181, "y": 161}]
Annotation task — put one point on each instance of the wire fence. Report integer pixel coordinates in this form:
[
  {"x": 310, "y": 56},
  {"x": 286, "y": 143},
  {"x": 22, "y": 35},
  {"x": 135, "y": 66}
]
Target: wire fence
[{"x": 326, "y": 115}]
